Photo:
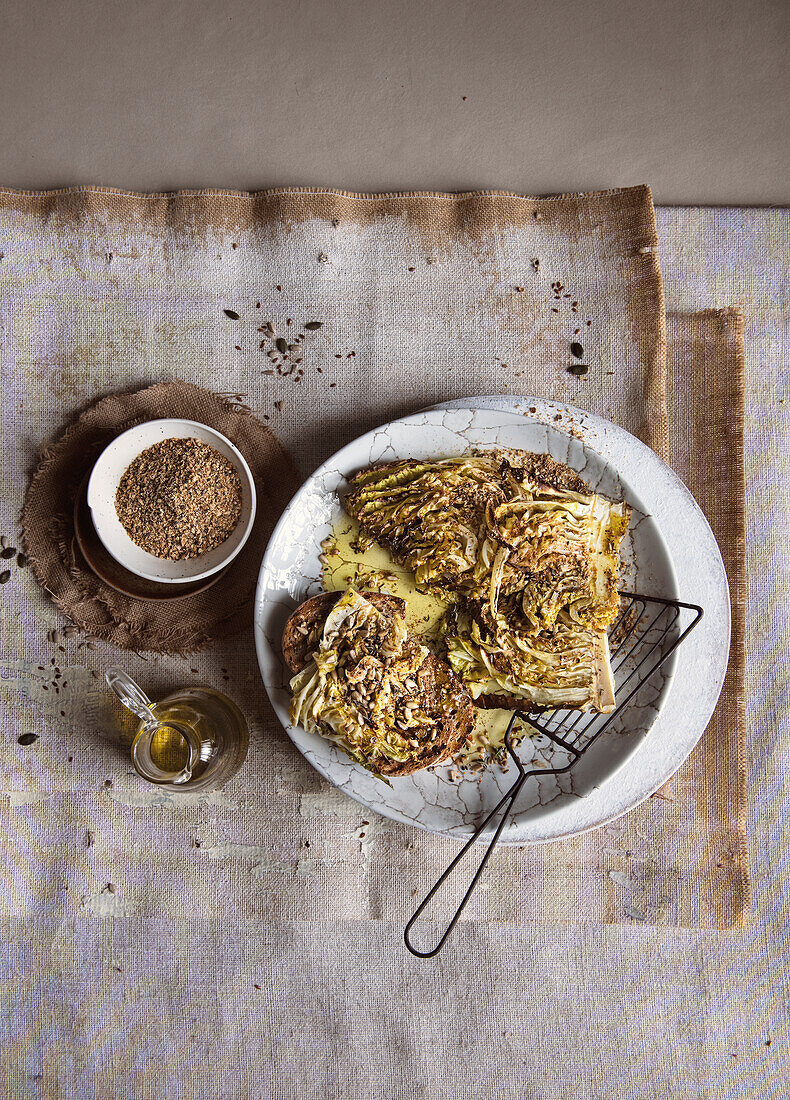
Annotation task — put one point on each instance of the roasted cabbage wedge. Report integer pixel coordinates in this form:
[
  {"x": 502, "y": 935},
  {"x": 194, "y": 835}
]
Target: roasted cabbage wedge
[
  {"x": 567, "y": 666},
  {"x": 528, "y": 553},
  {"x": 490, "y": 525},
  {"x": 378, "y": 693}
]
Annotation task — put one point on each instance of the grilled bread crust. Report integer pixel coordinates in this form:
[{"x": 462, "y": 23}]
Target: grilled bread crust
[
  {"x": 509, "y": 702},
  {"x": 303, "y": 630}
]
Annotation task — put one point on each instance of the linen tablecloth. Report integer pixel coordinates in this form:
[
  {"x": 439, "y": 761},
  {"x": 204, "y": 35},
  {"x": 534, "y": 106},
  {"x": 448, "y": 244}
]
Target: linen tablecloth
[
  {"x": 505, "y": 1011},
  {"x": 420, "y": 296}
]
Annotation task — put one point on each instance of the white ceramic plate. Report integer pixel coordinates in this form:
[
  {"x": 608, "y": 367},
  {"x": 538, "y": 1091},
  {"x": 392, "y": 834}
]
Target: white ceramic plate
[
  {"x": 103, "y": 485},
  {"x": 670, "y": 551}
]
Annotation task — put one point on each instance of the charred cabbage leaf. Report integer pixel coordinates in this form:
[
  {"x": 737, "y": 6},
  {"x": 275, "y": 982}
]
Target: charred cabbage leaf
[
  {"x": 567, "y": 666},
  {"x": 359, "y": 689},
  {"x": 529, "y": 558},
  {"x": 508, "y": 529}
]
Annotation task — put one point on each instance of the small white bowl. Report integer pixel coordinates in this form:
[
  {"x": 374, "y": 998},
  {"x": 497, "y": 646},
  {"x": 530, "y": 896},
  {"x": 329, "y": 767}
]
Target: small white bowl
[{"x": 103, "y": 485}]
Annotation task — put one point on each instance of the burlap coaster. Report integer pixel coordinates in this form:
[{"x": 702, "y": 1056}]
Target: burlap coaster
[{"x": 182, "y": 626}]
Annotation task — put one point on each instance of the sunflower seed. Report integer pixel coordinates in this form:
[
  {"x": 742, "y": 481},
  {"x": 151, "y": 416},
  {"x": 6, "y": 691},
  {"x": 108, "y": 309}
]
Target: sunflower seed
[
  {"x": 231, "y": 313},
  {"x": 311, "y": 326},
  {"x": 281, "y": 344}
]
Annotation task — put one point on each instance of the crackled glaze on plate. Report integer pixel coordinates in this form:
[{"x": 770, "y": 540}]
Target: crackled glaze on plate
[{"x": 648, "y": 741}]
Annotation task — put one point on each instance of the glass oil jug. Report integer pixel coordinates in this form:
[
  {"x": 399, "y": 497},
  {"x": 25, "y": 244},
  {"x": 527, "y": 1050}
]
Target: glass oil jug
[{"x": 194, "y": 739}]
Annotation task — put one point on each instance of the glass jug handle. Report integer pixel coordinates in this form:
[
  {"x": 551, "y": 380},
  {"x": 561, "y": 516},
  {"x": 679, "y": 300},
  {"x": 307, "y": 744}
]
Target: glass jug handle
[{"x": 131, "y": 694}]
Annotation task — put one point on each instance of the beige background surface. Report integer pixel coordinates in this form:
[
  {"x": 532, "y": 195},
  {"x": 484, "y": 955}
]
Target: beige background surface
[
  {"x": 691, "y": 96},
  {"x": 279, "y": 843}
]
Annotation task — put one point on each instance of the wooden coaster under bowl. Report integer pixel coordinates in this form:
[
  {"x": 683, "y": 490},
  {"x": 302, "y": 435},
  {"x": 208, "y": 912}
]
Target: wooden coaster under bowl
[{"x": 107, "y": 569}]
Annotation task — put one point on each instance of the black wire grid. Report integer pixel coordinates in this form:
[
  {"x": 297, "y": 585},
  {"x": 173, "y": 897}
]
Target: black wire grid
[{"x": 647, "y": 632}]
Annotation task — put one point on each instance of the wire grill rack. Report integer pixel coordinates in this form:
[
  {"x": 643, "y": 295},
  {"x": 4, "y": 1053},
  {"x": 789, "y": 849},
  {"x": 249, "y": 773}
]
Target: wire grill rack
[{"x": 646, "y": 633}]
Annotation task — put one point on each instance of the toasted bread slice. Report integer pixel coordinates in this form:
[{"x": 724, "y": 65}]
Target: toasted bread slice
[{"x": 441, "y": 694}]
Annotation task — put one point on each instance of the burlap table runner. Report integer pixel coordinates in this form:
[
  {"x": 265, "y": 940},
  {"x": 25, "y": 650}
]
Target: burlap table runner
[{"x": 421, "y": 298}]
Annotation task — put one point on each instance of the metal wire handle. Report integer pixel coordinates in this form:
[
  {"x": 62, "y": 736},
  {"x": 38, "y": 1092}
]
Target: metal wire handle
[
  {"x": 506, "y": 801},
  {"x": 576, "y": 724}
]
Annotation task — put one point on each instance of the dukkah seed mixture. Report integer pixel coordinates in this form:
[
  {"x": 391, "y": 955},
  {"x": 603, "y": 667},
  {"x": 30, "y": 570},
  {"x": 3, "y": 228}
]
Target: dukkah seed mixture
[{"x": 179, "y": 499}]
